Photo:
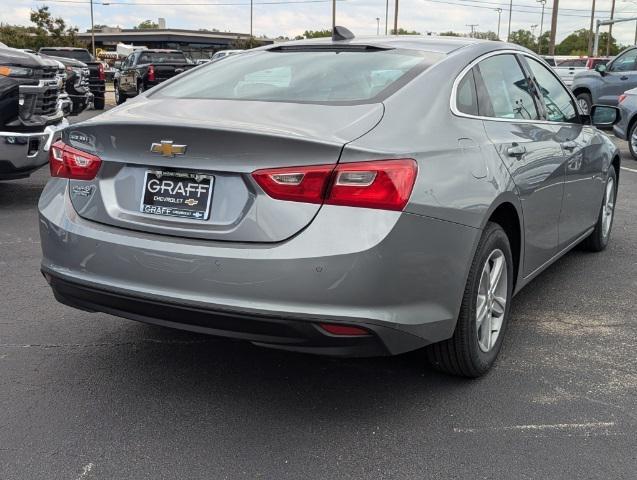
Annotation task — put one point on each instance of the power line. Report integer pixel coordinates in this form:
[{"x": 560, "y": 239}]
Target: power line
[
  {"x": 507, "y": 8},
  {"x": 212, "y": 4}
]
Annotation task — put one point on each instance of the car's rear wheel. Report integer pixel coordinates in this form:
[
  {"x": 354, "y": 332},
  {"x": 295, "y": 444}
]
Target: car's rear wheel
[
  {"x": 140, "y": 88},
  {"x": 484, "y": 312},
  {"x": 599, "y": 238},
  {"x": 119, "y": 96},
  {"x": 585, "y": 102},
  {"x": 632, "y": 140}
]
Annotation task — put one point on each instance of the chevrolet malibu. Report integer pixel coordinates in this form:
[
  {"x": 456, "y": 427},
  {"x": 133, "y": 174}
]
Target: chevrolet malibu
[{"x": 341, "y": 196}]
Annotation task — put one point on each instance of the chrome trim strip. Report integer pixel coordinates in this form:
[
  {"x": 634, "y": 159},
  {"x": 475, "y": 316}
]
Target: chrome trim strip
[{"x": 454, "y": 91}]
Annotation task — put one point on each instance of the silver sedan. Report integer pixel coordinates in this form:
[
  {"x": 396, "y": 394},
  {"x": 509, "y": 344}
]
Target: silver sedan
[{"x": 339, "y": 196}]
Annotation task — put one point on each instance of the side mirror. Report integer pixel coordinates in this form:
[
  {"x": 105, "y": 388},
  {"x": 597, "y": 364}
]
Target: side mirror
[
  {"x": 601, "y": 68},
  {"x": 117, "y": 64},
  {"x": 604, "y": 115}
]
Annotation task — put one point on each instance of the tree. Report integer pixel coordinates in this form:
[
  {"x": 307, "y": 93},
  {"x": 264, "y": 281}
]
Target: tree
[
  {"x": 449, "y": 34},
  {"x": 524, "y": 38},
  {"x": 402, "y": 31},
  {"x": 245, "y": 43},
  {"x": 47, "y": 31},
  {"x": 314, "y": 34},
  {"x": 147, "y": 24},
  {"x": 486, "y": 35}
]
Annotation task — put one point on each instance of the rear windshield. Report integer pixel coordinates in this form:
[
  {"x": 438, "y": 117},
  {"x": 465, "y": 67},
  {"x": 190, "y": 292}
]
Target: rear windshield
[
  {"x": 81, "y": 55},
  {"x": 306, "y": 76},
  {"x": 162, "y": 57}
]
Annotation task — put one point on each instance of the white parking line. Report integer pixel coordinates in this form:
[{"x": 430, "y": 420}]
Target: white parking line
[
  {"x": 629, "y": 169},
  {"x": 541, "y": 427}
]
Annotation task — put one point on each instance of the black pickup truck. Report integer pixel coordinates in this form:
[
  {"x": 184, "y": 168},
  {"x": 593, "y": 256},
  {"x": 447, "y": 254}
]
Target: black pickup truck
[
  {"x": 96, "y": 69},
  {"x": 32, "y": 111},
  {"x": 144, "y": 69}
]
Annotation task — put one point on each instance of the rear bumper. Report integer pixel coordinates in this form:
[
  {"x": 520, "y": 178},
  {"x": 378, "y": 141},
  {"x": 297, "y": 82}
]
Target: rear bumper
[
  {"x": 23, "y": 153},
  {"x": 400, "y": 276}
]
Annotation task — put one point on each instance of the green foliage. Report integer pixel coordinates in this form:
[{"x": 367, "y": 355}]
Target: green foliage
[
  {"x": 486, "y": 35},
  {"x": 314, "y": 34},
  {"x": 47, "y": 31},
  {"x": 450, "y": 34},
  {"x": 147, "y": 24},
  {"x": 245, "y": 43},
  {"x": 402, "y": 31},
  {"x": 524, "y": 38}
]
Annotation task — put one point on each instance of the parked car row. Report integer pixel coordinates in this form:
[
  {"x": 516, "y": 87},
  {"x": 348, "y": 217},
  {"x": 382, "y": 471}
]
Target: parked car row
[{"x": 33, "y": 107}]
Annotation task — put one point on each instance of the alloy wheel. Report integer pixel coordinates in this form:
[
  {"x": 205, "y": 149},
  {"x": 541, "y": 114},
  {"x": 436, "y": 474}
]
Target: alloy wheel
[
  {"x": 609, "y": 207},
  {"x": 583, "y": 105},
  {"x": 633, "y": 140},
  {"x": 491, "y": 301}
]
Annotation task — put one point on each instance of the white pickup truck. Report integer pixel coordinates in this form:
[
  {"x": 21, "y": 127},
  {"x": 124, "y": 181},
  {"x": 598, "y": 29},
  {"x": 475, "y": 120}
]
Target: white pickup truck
[{"x": 566, "y": 68}]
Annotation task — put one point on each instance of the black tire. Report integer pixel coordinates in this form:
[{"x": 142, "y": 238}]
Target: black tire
[
  {"x": 598, "y": 239},
  {"x": 585, "y": 98},
  {"x": 140, "y": 88},
  {"x": 98, "y": 103},
  {"x": 461, "y": 355},
  {"x": 120, "y": 97},
  {"x": 632, "y": 132}
]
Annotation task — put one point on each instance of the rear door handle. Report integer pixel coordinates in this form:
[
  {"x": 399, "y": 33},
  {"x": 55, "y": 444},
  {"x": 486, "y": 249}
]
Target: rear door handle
[
  {"x": 516, "y": 150},
  {"x": 623, "y": 77},
  {"x": 570, "y": 146}
]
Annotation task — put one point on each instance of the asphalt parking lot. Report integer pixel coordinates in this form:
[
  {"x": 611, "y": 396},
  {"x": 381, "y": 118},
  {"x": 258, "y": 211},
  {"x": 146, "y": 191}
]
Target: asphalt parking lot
[{"x": 91, "y": 396}]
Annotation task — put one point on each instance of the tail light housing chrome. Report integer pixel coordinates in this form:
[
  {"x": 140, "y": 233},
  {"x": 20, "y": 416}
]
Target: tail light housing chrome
[
  {"x": 380, "y": 184},
  {"x": 100, "y": 72},
  {"x": 151, "y": 73},
  {"x": 68, "y": 162}
]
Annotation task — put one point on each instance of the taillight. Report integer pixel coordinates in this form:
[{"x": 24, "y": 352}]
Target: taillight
[
  {"x": 151, "y": 73},
  {"x": 621, "y": 98},
  {"x": 100, "y": 71},
  {"x": 69, "y": 162},
  {"x": 381, "y": 184}
]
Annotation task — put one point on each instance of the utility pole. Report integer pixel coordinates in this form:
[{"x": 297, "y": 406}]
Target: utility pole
[
  {"x": 499, "y": 10},
  {"x": 333, "y": 15},
  {"x": 472, "y": 26},
  {"x": 590, "y": 34},
  {"x": 377, "y": 26},
  {"x": 251, "y": 19},
  {"x": 92, "y": 30},
  {"x": 386, "y": 15},
  {"x": 510, "y": 12},
  {"x": 553, "y": 27},
  {"x": 396, "y": 19},
  {"x": 610, "y": 29},
  {"x": 539, "y": 40}
]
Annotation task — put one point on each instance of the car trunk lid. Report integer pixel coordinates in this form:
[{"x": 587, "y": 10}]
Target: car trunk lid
[{"x": 225, "y": 140}]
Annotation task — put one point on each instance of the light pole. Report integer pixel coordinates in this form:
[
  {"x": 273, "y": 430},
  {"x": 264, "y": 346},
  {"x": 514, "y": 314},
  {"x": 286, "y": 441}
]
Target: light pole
[
  {"x": 499, "y": 10},
  {"x": 539, "y": 40},
  {"x": 386, "y": 15},
  {"x": 377, "y": 26},
  {"x": 92, "y": 31},
  {"x": 333, "y": 15},
  {"x": 510, "y": 12},
  {"x": 251, "y": 16}
]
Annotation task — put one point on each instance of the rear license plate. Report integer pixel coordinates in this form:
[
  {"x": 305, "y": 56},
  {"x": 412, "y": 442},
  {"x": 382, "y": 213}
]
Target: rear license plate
[{"x": 177, "y": 194}]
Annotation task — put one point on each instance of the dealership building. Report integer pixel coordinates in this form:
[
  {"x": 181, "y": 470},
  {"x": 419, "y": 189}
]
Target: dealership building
[{"x": 196, "y": 43}]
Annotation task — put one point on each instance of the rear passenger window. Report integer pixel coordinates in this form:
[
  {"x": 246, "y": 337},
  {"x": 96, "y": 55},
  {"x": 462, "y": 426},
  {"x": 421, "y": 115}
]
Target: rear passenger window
[
  {"x": 503, "y": 91},
  {"x": 466, "y": 97}
]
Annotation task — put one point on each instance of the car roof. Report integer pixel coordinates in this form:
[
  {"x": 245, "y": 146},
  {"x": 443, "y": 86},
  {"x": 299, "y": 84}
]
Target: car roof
[
  {"x": 160, "y": 50},
  {"x": 427, "y": 43},
  {"x": 64, "y": 48}
]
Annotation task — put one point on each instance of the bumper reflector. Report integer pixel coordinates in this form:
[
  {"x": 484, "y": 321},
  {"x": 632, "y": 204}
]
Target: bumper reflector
[{"x": 344, "y": 330}]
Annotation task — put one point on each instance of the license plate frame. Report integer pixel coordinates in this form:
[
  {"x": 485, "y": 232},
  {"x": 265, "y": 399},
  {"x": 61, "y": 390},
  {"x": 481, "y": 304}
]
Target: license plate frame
[{"x": 187, "y": 196}]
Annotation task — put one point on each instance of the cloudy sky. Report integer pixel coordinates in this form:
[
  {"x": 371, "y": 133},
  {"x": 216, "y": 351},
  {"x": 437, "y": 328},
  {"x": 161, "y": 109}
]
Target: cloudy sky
[{"x": 292, "y": 17}]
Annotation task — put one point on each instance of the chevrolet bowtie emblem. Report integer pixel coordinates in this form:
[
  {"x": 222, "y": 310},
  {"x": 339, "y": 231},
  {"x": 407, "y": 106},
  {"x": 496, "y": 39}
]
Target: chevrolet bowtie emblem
[{"x": 167, "y": 149}]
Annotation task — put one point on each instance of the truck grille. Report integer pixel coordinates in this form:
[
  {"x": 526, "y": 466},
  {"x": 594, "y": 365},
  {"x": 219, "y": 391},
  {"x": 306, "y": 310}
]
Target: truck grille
[
  {"x": 46, "y": 104},
  {"x": 45, "y": 73}
]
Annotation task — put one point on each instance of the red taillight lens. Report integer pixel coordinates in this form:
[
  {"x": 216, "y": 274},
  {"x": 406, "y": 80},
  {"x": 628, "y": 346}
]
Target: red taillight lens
[
  {"x": 621, "y": 98},
  {"x": 69, "y": 162},
  {"x": 381, "y": 184},
  {"x": 296, "y": 184},
  {"x": 151, "y": 74},
  {"x": 100, "y": 71},
  {"x": 343, "y": 330}
]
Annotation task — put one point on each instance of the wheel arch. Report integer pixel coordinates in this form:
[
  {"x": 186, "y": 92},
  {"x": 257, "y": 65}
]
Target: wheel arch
[
  {"x": 507, "y": 212},
  {"x": 579, "y": 90}
]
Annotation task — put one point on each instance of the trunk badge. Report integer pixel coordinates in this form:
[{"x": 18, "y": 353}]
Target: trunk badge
[{"x": 167, "y": 148}]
